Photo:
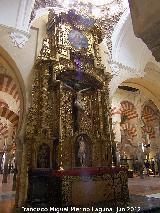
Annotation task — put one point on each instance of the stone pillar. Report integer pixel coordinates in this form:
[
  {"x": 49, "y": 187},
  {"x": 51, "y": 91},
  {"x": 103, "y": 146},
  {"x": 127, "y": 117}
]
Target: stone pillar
[
  {"x": 23, "y": 177},
  {"x": 1, "y": 157},
  {"x": 18, "y": 160},
  {"x": 141, "y": 162},
  {"x": 8, "y": 148},
  {"x": 116, "y": 120},
  {"x": 14, "y": 178},
  {"x": 5, "y": 172},
  {"x": 139, "y": 122}
]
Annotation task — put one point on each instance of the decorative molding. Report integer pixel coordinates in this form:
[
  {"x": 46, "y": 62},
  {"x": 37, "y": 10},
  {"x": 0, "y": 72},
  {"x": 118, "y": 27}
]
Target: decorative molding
[
  {"x": 121, "y": 73},
  {"x": 19, "y": 39},
  {"x": 105, "y": 15},
  {"x": 118, "y": 69},
  {"x": 152, "y": 66},
  {"x": 23, "y": 15}
]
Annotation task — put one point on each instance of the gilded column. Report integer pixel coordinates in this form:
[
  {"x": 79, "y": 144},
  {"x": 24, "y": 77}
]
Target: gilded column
[{"x": 106, "y": 126}]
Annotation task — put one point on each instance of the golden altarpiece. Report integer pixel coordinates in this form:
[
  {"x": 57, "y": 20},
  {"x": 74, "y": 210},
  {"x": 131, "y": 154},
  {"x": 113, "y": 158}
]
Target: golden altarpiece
[{"x": 69, "y": 125}]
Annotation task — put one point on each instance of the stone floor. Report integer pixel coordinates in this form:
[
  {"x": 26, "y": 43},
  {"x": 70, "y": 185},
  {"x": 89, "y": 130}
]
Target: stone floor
[
  {"x": 6, "y": 187},
  {"x": 144, "y": 193},
  {"x": 6, "y": 196},
  {"x": 145, "y": 186}
]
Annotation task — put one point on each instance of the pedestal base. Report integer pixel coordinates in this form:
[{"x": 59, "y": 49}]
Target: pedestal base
[{"x": 78, "y": 187}]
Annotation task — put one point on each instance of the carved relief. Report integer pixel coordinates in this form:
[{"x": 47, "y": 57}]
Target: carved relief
[{"x": 19, "y": 39}]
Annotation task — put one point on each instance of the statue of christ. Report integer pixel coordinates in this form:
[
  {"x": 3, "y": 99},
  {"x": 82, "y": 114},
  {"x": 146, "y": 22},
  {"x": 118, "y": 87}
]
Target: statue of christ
[{"x": 78, "y": 105}]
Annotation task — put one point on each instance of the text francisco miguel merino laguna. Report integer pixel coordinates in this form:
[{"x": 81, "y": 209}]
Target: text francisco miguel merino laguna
[{"x": 77, "y": 209}]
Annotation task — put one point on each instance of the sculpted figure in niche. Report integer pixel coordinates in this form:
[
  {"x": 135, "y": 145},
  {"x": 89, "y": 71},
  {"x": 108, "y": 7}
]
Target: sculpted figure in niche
[
  {"x": 82, "y": 152},
  {"x": 43, "y": 156}
]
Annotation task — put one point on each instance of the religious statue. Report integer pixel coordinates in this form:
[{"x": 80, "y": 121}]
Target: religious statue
[
  {"x": 82, "y": 152},
  {"x": 43, "y": 156},
  {"x": 78, "y": 105}
]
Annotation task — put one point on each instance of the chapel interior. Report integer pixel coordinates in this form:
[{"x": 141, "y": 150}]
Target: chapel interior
[{"x": 79, "y": 104}]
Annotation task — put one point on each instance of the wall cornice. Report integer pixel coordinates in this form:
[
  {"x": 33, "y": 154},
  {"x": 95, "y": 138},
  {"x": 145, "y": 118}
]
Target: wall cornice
[
  {"x": 18, "y": 37},
  {"x": 121, "y": 73},
  {"x": 119, "y": 68}
]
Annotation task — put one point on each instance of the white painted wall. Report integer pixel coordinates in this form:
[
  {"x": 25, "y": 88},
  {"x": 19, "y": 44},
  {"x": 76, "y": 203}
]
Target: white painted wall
[
  {"x": 127, "y": 48},
  {"x": 15, "y": 14},
  {"x": 23, "y": 57},
  {"x": 8, "y": 12}
]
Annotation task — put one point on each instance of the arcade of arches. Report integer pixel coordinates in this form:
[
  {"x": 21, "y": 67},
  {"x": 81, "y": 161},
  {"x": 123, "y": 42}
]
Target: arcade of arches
[{"x": 129, "y": 71}]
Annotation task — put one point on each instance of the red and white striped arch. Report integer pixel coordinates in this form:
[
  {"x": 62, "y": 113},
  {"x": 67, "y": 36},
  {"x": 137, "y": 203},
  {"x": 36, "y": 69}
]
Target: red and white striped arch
[
  {"x": 3, "y": 104},
  {"x": 131, "y": 129},
  {"x": 8, "y": 85},
  {"x": 9, "y": 115},
  {"x": 148, "y": 114},
  {"x": 128, "y": 109},
  {"x": 3, "y": 130},
  {"x": 150, "y": 131}
]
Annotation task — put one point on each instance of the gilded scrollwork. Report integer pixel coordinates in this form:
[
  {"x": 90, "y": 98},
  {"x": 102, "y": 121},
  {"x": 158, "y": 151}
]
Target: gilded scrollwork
[
  {"x": 69, "y": 124},
  {"x": 107, "y": 17},
  {"x": 70, "y": 93}
]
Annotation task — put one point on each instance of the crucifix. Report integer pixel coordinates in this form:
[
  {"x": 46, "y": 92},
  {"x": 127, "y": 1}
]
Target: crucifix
[{"x": 78, "y": 105}]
